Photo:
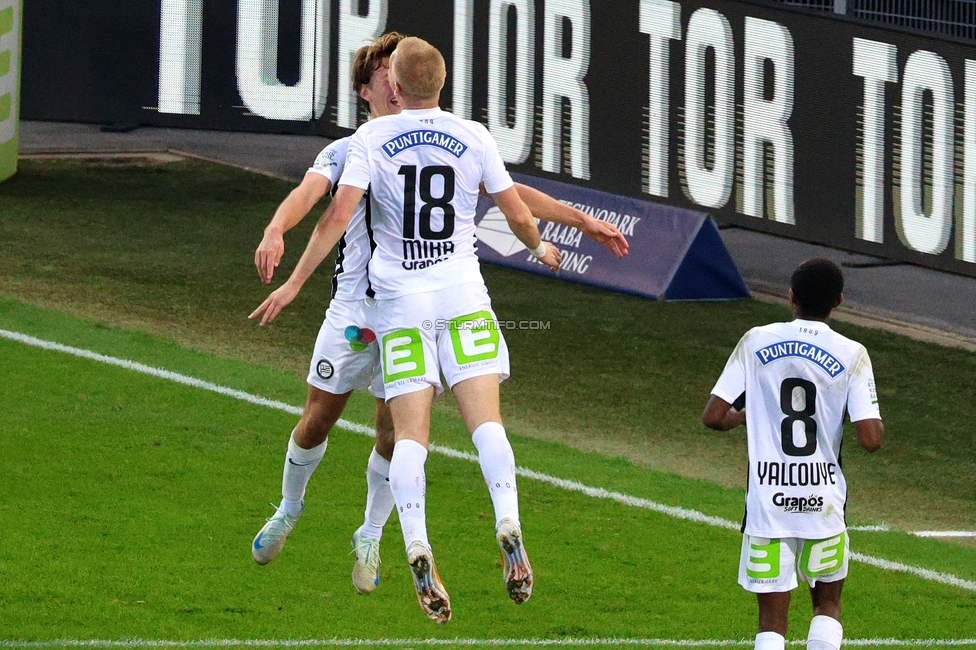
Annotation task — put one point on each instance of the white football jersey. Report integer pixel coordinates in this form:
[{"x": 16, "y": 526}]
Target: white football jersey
[
  {"x": 799, "y": 378},
  {"x": 350, "y": 279},
  {"x": 423, "y": 169}
]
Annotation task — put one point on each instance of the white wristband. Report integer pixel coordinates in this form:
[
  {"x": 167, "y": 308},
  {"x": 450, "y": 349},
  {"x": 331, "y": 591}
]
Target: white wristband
[{"x": 539, "y": 252}]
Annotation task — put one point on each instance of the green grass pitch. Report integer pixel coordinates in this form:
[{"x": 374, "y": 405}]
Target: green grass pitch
[{"x": 133, "y": 501}]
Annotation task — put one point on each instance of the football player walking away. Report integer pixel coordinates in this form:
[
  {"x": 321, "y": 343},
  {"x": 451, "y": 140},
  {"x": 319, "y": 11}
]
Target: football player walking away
[
  {"x": 799, "y": 380},
  {"x": 346, "y": 357}
]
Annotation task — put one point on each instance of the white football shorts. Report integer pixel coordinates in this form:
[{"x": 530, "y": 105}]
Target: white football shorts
[
  {"x": 346, "y": 355},
  {"x": 772, "y": 565},
  {"x": 451, "y": 331}
]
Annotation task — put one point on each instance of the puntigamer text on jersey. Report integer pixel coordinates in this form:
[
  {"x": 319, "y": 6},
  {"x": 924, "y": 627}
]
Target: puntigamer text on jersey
[
  {"x": 819, "y": 356},
  {"x": 443, "y": 141}
]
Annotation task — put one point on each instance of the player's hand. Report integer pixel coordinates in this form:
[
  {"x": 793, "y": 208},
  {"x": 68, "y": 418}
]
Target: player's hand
[
  {"x": 553, "y": 257},
  {"x": 607, "y": 234},
  {"x": 273, "y": 304},
  {"x": 268, "y": 255}
]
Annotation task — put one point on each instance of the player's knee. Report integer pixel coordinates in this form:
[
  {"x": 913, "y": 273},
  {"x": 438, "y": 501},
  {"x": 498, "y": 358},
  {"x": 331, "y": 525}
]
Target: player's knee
[
  {"x": 322, "y": 410},
  {"x": 317, "y": 420},
  {"x": 385, "y": 440}
]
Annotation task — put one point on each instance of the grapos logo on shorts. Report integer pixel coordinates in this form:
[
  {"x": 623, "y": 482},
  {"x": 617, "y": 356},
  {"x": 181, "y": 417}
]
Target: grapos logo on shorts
[
  {"x": 763, "y": 558},
  {"x": 823, "y": 556},
  {"x": 403, "y": 355},
  {"x": 475, "y": 337}
]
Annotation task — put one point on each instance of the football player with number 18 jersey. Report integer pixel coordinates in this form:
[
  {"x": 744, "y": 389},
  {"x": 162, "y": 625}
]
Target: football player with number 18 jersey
[
  {"x": 800, "y": 379},
  {"x": 423, "y": 169}
]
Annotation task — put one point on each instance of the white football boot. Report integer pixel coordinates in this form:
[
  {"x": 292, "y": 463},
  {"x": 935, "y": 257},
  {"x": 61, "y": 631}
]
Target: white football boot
[
  {"x": 271, "y": 538},
  {"x": 366, "y": 570}
]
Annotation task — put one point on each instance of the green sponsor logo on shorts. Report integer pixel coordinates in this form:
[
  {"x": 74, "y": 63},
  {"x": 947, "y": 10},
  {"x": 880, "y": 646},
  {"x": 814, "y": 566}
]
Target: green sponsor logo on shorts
[
  {"x": 475, "y": 337},
  {"x": 403, "y": 355},
  {"x": 823, "y": 556},
  {"x": 763, "y": 558}
]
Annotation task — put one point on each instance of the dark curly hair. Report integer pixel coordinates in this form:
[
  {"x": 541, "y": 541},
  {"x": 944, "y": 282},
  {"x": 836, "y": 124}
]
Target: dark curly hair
[{"x": 817, "y": 285}]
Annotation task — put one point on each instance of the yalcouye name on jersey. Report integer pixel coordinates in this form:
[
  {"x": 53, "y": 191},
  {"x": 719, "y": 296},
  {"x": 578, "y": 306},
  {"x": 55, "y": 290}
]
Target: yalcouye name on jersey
[
  {"x": 419, "y": 254},
  {"x": 427, "y": 138},
  {"x": 812, "y": 503},
  {"x": 796, "y": 474},
  {"x": 808, "y": 351}
]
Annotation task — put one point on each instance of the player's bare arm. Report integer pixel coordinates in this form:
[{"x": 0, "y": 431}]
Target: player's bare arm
[
  {"x": 326, "y": 235},
  {"x": 870, "y": 434},
  {"x": 542, "y": 206},
  {"x": 606, "y": 234},
  {"x": 292, "y": 210},
  {"x": 720, "y": 416},
  {"x": 522, "y": 223}
]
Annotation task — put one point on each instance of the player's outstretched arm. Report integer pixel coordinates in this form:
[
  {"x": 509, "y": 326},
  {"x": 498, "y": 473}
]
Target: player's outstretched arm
[
  {"x": 327, "y": 233},
  {"x": 720, "y": 415},
  {"x": 542, "y": 206},
  {"x": 522, "y": 223},
  {"x": 291, "y": 211},
  {"x": 870, "y": 434}
]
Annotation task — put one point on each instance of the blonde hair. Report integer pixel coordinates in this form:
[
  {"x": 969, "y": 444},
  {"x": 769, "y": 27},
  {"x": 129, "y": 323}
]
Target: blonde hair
[{"x": 419, "y": 68}]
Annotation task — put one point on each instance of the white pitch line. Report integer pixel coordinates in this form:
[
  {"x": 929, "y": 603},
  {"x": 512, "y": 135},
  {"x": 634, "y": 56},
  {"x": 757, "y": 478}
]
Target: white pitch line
[
  {"x": 888, "y": 565},
  {"x": 345, "y": 643},
  {"x": 595, "y": 492},
  {"x": 881, "y": 528},
  {"x": 149, "y": 370},
  {"x": 943, "y": 533}
]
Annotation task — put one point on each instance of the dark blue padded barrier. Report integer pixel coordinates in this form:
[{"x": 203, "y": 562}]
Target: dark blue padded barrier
[{"x": 675, "y": 254}]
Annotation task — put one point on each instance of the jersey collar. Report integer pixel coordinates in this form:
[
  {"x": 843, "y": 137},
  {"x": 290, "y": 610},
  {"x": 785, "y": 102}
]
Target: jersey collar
[
  {"x": 810, "y": 323},
  {"x": 421, "y": 112}
]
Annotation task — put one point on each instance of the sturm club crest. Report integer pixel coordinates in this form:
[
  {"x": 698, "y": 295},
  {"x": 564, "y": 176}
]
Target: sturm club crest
[{"x": 324, "y": 369}]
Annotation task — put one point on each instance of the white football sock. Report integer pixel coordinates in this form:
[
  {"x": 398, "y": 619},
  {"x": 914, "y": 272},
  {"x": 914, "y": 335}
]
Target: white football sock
[
  {"x": 299, "y": 465},
  {"x": 770, "y": 641},
  {"x": 826, "y": 633},
  {"x": 379, "y": 496},
  {"x": 408, "y": 481},
  {"x": 498, "y": 467}
]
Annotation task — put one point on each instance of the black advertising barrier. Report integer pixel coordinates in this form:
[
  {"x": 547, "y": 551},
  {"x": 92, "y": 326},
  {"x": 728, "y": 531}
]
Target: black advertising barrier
[
  {"x": 800, "y": 124},
  {"x": 675, "y": 254}
]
